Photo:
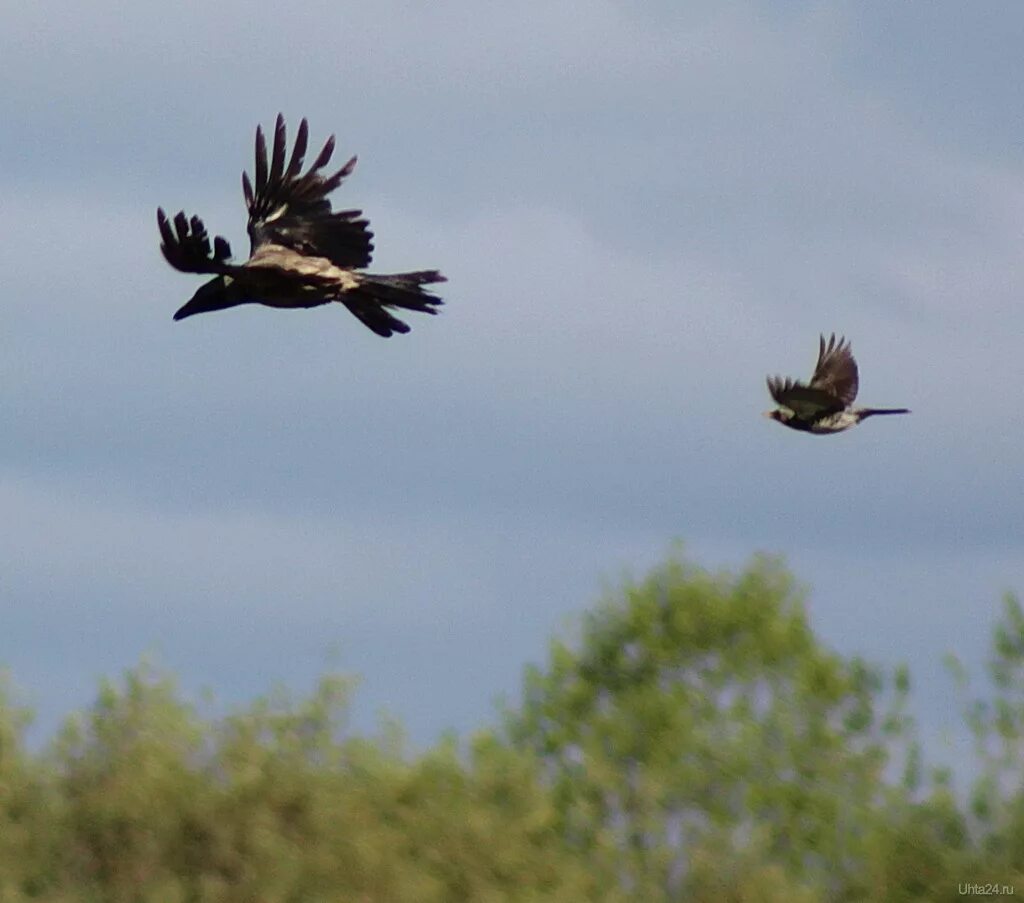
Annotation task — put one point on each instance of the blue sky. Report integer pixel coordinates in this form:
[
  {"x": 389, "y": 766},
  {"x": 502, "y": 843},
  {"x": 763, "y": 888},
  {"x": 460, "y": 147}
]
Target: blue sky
[{"x": 643, "y": 209}]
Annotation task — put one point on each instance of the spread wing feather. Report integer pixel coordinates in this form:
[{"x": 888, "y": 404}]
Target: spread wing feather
[
  {"x": 291, "y": 209},
  {"x": 836, "y": 370},
  {"x": 805, "y": 401},
  {"x": 186, "y": 247}
]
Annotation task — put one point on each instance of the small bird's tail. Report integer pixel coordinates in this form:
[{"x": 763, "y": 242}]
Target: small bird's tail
[
  {"x": 370, "y": 300},
  {"x": 870, "y": 412}
]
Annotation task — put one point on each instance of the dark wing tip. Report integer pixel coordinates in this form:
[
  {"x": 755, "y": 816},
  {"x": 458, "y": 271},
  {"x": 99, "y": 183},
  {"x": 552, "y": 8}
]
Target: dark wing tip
[
  {"x": 260, "y": 172},
  {"x": 324, "y": 156},
  {"x": 298, "y": 151},
  {"x": 280, "y": 143},
  {"x": 778, "y": 386},
  {"x": 834, "y": 345},
  {"x": 185, "y": 244}
]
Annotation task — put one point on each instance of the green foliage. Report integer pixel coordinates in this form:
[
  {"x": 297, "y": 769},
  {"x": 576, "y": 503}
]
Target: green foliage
[
  {"x": 697, "y": 708},
  {"x": 700, "y": 739},
  {"x": 30, "y": 836},
  {"x": 143, "y": 800},
  {"x": 996, "y": 720},
  {"x": 695, "y": 742}
]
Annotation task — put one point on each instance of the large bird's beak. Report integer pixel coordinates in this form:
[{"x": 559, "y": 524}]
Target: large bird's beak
[
  {"x": 187, "y": 310},
  {"x": 213, "y": 295},
  {"x": 767, "y": 414}
]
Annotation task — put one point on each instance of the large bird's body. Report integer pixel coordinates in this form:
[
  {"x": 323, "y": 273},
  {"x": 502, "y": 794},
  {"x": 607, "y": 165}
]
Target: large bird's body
[
  {"x": 825, "y": 405},
  {"x": 302, "y": 253}
]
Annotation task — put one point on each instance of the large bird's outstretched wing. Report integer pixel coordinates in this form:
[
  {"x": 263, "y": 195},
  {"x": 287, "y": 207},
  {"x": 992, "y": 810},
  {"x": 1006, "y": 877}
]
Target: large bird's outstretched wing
[
  {"x": 290, "y": 209},
  {"x": 833, "y": 386},
  {"x": 186, "y": 247}
]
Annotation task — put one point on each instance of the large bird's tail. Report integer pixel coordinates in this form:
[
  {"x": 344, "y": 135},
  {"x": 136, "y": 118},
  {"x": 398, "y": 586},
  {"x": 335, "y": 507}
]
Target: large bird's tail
[
  {"x": 870, "y": 412},
  {"x": 375, "y": 294}
]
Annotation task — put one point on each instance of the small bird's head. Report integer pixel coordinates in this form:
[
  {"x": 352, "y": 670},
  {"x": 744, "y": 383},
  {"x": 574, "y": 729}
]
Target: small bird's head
[{"x": 216, "y": 294}]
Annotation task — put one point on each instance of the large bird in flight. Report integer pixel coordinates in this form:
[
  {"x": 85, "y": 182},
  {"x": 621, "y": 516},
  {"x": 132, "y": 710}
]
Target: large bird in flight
[
  {"x": 825, "y": 405},
  {"x": 301, "y": 252}
]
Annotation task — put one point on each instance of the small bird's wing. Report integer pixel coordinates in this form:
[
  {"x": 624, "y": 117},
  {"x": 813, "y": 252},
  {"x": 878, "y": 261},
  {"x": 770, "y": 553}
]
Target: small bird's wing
[
  {"x": 289, "y": 209},
  {"x": 836, "y": 371},
  {"x": 186, "y": 247},
  {"x": 807, "y": 402}
]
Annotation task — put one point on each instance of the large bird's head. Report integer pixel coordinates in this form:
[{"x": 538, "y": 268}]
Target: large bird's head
[
  {"x": 217, "y": 294},
  {"x": 779, "y": 414}
]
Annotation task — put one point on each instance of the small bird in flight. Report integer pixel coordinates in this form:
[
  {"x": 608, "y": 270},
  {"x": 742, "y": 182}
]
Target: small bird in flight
[
  {"x": 825, "y": 404},
  {"x": 301, "y": 252}
]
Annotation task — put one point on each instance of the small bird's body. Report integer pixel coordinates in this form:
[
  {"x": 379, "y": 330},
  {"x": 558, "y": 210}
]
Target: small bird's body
[
  {"x": 302, "y": 254},
  {"x": 825, "y": 405}
]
